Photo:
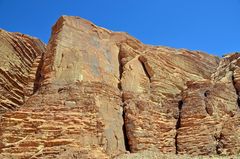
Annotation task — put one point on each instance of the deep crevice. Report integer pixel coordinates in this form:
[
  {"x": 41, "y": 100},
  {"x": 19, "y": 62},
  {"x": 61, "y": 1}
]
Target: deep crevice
[
  {"x": 126, "y": 142},
  {"x": 120, "y": 67},
  {"x": 178, "y": 123},
  {"x": 38, "y": 76},
  {"x": 208, "y": 107},
  {"x": 238, "y": 99},
  {"x": 238, "y": 102},
  {"x": 219, "y": 145},
  {"x": 124, "y": 129},
  {"x": 180, "y": 103},
  {"x": 206, "y": 93},
  {"x": 209, "y": 111},
  {"x": 145, "y": 70}
]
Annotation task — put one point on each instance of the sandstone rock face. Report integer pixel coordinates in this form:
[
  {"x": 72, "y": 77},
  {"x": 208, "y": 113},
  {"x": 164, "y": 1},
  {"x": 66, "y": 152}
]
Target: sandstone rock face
[
  {"x": 20, "y": 58},
  {"x": 79, "y": 51},
  {"x": 78, "y": 104},
  {"x": 94, "y": 93},
  {"x": 152, "y": 115}
]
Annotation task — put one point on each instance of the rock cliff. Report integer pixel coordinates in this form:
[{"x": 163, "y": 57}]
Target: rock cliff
[
  {"x": 19, "y": 71},
  {"x": 94, "y": 93}
]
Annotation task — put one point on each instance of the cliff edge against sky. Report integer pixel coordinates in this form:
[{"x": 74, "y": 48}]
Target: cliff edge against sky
[{"x": 94, "y": 93}]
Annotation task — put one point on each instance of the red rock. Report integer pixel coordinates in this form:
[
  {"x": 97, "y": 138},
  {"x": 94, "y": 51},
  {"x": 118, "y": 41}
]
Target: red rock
[
  {"x": 19, "y": 77},
  {"x": 94, "y": 93}
]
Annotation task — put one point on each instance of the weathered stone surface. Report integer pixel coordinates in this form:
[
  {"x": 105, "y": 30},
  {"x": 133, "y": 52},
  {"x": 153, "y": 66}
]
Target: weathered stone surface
[
  {"x": 98, "y": 94},
  {"x": 152, "y": 105},
  {"x": 20, "y": 58},
  {"x": 79, "y": 51},
  {"x": 206, "y": 108},
  {"x": 79, "y": 104},
  {"x": 59, "y": 119}
]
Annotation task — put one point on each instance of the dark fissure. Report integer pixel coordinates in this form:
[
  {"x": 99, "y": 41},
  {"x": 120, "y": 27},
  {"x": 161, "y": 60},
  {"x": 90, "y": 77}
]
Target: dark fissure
[
  {"x": 238, "y": 102},
  {"x": 206, "y": 93},
  {"x": 126, "y": 142},
  {"x": 238, "y": 99},
  {"x": 38, "y": 76},
  {"x": 219, "y": 145},
  {"x": 145, "y": 70},
  {"x": 178, "y": 124},
  {"x": 208, "y": 107},
  {"x": 120, "y": 69},
  {"x": 124, "y": 129}
]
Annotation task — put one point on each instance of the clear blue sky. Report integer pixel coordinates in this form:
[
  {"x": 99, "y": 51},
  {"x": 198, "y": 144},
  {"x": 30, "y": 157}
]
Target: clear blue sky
[{"x": 211, "y": 26}]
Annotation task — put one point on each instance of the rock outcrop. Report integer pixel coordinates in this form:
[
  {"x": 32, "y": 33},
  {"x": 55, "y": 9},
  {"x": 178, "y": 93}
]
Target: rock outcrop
[
  {"x": 19, "y": 74},
  {"x": 94, "y": 93}
]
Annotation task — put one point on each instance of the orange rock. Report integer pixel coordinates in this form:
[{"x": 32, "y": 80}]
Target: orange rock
[
  {"x": 94, "y": 93},
  {"x": 19, "y": 71}
]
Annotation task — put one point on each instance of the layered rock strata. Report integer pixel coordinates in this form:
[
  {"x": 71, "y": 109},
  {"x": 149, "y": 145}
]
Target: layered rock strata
[
  {"x": 97, "y": 94},
  {"x": 19, "y": 75}
]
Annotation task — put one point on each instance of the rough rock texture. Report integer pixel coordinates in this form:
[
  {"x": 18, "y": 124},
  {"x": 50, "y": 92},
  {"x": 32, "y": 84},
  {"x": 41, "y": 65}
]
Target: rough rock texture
[
  {"x": 152, "y": 109},
  {"x": 78, "y": 104},
  {"x": 158, "y": 155},
  {"x": 98, "y": 94},
  {"x": 20, "y": 58}
]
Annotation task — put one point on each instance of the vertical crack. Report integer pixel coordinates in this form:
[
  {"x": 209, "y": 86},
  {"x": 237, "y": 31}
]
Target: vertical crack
[
  {"x": 208, "y": 107},
  {"x": 146, "y": 68},
  {"x": 234, "y": 84},
  {"x": 38, "y": 76},
  {"x": 178, "y": 124},
  {"x": 126, "y": 142},
  {"x": 219, "y": 145},
  {"x": 145, "y": 71},
  {"x": 120, "y": 73}
]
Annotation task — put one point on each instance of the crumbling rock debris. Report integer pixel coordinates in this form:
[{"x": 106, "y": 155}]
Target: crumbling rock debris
[{"x": 94, "y": 93}]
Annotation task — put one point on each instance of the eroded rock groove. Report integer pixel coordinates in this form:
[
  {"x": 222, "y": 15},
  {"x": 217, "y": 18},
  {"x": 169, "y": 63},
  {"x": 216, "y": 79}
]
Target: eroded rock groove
[
  {"x": 178, "y": 123},
  {"x": 126, "y": 141},
  {"x": 236, "y": 90},
  {"x": 145, "y": 69}
]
